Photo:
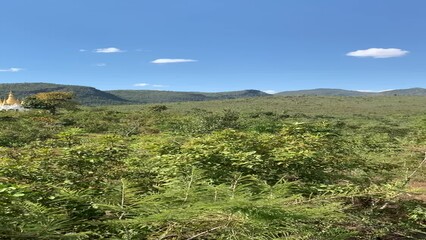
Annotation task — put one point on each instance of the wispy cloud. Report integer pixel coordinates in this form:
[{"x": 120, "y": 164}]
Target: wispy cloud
[
  {"x": 108, "y": 50},
  {"x": 172, "y": 60},
  {"x": 367, "y": 91},
  {"x": 270, "y": 91},
  {"x": 149, "y": 85},
  {"x": 11, "y": 70},
  {"x": 100, "y": 64},
  {"x": 375, "y": 91},
  {"x": 82, "y": 50},
  {"x": 141, "y": 84},
  {"x": 379, "y": 53}
]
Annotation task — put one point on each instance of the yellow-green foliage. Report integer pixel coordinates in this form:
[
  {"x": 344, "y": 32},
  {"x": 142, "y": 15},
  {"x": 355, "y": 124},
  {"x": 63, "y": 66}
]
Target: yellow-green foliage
[{"x": 229, "y": 171}]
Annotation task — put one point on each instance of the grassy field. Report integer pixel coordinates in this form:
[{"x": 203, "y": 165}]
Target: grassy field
[
  {"x": 258, "y": 168},
  {"x": 308, "y": 105},
  {"x": 392, "y": 113}
]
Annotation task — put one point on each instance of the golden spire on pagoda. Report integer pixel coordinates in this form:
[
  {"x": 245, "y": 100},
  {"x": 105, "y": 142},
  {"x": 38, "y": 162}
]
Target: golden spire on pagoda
[{"x": 11, "y": 100}]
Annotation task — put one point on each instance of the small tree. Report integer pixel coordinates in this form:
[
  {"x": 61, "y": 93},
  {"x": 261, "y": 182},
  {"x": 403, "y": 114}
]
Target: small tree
[{"x": 51, "y": 101}]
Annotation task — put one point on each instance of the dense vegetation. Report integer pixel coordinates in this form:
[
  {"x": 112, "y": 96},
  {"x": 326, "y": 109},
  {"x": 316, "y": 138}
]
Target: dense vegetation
[
  {"x": 261, "y": 168},
  {"x": 85, "y": 95},
  {"x": 152, "y": 96},
  {"x": 94, "y": 97}
]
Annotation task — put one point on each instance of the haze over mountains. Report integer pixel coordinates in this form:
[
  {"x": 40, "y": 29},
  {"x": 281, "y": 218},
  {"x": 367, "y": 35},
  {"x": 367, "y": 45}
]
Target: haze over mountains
[{"x": 92, "y": 96}]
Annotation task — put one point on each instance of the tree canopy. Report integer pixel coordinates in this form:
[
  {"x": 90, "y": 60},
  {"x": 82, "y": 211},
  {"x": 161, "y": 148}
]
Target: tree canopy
[{"x": 51, "y": 101}]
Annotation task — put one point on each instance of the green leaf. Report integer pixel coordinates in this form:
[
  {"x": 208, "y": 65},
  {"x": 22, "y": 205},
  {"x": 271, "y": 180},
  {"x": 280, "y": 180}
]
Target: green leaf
[{"x": 18, "y": 195}]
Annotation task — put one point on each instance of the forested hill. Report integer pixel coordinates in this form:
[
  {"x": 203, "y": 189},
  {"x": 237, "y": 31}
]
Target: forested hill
[
  {"x": 92, "y": 96},
  {"x": 352, "y": 93},
  {"x": 406, "y": 92},
  {"x": 325, "y": 92},
  {"x": 84, "y": 95},
  {"x": 152, "y": 96}
]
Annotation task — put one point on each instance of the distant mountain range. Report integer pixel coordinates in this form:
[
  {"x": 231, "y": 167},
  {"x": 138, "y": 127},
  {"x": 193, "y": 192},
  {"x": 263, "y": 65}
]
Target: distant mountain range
[
  {"x": 85, "y": 95},
  {"x": 92, "y": 96},
  {"x": 152, "y": 96},
  {"x": 324, "y": 92},
  {"x": 351, "y": 93}
]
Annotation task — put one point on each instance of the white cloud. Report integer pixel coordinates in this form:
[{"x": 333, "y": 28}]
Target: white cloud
[
  {"x": 82, "y": 50},
  {"x": 11, "y": 70},
  {"x": 379, "y": 53},
  {"x": 366, "y": 91},
  {"x": 375, "y": 91},
  {"x": 108, "y": 50},
  {"x": 100, "y": 64},
  {"x": 270, "y": 91},
  {"x": 141, "y": 84},
  {"x": 175, "y": 60},
  {"x": 149, "y": 85}
]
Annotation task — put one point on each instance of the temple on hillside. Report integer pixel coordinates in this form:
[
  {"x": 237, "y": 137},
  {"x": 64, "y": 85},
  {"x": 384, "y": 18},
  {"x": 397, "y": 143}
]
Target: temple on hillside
[{"x": 11, "y": 103}]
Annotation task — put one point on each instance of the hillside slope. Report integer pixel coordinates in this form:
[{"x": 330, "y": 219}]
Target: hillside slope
[
  {"x": 325, "y": 92},
  {"x": 351, "y": 93},
  {"x": 84, "y": 95},
  {"x": 152, "y": 96},
  {"x": 92, "y": 96},
  {"x": 406, "y": 92}
]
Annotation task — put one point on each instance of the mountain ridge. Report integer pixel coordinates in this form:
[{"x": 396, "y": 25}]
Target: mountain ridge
[
  {"x": 353, "y": 93},
  {"x": 87, "y": 95},
  {"x": 91, "y": 96},
  {"x": 158, "y": 96},
  {"x": 323, "y": 92},
  {"x": 84, "y": 94}
]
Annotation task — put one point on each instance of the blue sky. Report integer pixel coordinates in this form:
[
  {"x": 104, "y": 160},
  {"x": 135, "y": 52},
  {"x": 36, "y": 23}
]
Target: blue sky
[{"x": 215, "y": 45}]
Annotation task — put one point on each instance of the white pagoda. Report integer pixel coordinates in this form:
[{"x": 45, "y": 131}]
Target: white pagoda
[{"x": 11, "y": 103}]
